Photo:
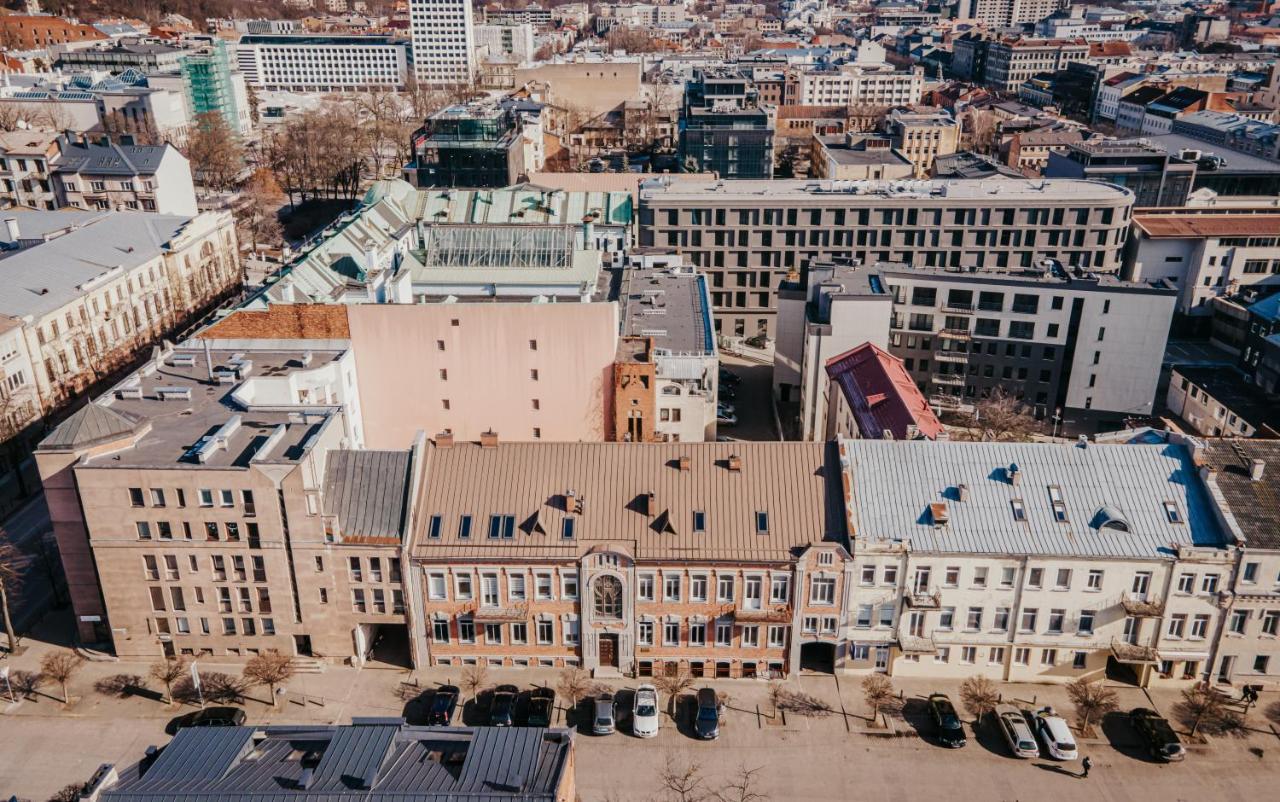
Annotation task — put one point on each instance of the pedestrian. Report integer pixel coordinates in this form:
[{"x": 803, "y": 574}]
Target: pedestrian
[{"x": 1087, "y": 764}]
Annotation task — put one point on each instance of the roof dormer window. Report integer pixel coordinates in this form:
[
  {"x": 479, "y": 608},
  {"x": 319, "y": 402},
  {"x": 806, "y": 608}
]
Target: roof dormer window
[
  {"x": 1172, "y": 512},
  {"x": 762, "y": 522},
  {"x": 1059, "y": 506},
  {"x": 1019, "y": 510}
]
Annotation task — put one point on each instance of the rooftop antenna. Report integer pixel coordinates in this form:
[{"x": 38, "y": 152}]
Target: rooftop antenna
[{"x": 208, "y": 358}]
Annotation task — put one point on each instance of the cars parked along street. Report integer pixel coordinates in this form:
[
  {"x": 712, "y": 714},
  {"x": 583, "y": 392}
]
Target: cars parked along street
[
  {"x": 542, "y": 708},
  {"x": 644, "y": 712},
  {"x": 443, "y": 702},
  {"x": 605, "y": 720},
  {"x": 1017, "y": 732},
  {"x": 502, "y": 706},
  {"x": 1161, "y": 741},
  {"x": 1055, "y": 735},
  {"x": 706, "y": 719},
  {"x": 946, "y": 722}
]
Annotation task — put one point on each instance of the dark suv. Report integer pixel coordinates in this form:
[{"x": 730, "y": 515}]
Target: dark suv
[
  {"x": 706, "y": 721},
  {"x": 443, "y": 702},
  {"x": 1161, "y": 741},
  {"x": 542, "y": 707},
  {"x": 502, "y": 706},
  {"x": 945, "y": 720}
]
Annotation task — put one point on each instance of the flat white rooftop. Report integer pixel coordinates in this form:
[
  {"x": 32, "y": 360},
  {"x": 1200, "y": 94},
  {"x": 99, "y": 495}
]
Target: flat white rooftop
[{"x": 1034, "y": 191}]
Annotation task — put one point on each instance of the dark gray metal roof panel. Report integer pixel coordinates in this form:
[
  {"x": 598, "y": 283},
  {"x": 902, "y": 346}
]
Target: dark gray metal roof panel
[{"x": 367, "y": 491}]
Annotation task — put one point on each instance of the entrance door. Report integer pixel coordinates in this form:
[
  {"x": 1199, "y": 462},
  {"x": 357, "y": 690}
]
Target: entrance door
[
  {"x": 1224, "y": 668},
  {"x": 302, "y": 645},
  {"x": 882, "y": 659},
  {"x": 609, "y": 650}
]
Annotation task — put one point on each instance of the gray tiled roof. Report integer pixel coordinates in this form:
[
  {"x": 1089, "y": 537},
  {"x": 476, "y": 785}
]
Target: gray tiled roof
[
  {"x": 1254, "y": 505},
  {"x": 892, "y": 484},
  {"x": 367, "y": 491},
  {"x": 370, "y": 759},
  {"x": 90, "y": 424},
  {"x": 112, "y": 159}
]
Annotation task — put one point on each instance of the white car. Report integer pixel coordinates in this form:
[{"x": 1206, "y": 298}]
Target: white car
[
  {"x": 1055, "y": 735},
  {"x": 644, "y": 712},
  {"x": 1017, "y": 733}
]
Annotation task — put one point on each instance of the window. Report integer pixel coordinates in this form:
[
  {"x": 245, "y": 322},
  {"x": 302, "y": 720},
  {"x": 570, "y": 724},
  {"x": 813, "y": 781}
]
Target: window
[
  {"x": 1085, "y": 626},
  {"x": 1049, "y": 657},
  {"x": 1250, "y": 575},
  {"x": 1063, "y": 580},
  {"x": 226, "y": 498},
  {"x": 1022, "y": 656},
  {"x": 699, "y": 521},
  {"x": 1001, "y": 622},
  {"x": 946, "y": 618},
  {"x": 644, "y": 633},
  {"x": 1200, "y": 627},
  {"x": 886, "y": 615},
  {"x": 1057, "y": 617},
  {"x": 980, "y": 577},
  {"x": 569, "y": 585},
  {"x": 546, "y": 632},
  {"x": 868, "y": 575},
  {"x": 489, "y": 590},
  {"x": 698, "y": 588},
  {"x": 144, "y": 530},
  {"x": 671, "y": 587},
  {"x": 863, "y": 620},
  {"x": 1171, "y": 512},
  {"x": 780, "y": 590},
  {"x": 671, "y": 633},
  {"x": 1056, "y": 502},
  {"x": 1186, "y": 583},
  {"x": 466, "y": 630},
  {"x": 724, "y": 633},
  {"x": 353, "y": 570},
  {"x": 724, "y": 588},
  {"x": 433, "y": 527},
  {"x": 515, "y": 587},
  {"x": 645, "y": 587},
  {"x": 1259, "y": 663},
  {"x": 1209, "y": 584},
  {"x": 1007, "y": 576},
  {"x": 1079, "y": 660},
  {"x": 751, "y": 637},
  {"x": 464, "y": 527},
  {"x": 502, "y": 527},
  {"x": 951, "y": 578},
  {"x": 493, "y": 634},
  {"x": 943, "y": 654},
  {"x": 968, "y": 654},
  {"x": 995, "y": 655},
  {"x": 697, "y": 634},
  {"x": 440, "y": 631},
  {"x": 777, "y": 637},
  {"x": 822, "y": 590},
  {"x": 567, "y": 526},
  {"x": 136, "y": 497},
  {"x": 357, "y": 601},
  {"x": 890, "y": 575},
  {"x": 1019, "y": 510},
  {"x": 519, "y": 632},
  {"x": 1177, "y": 625},
  {"x": 1271, "y": 622},
  {"x": 1029, "y": 620},
  {"x": 1239, "y": 619},
  {"x": 157, "y": 497},
  {"x": 1094, "y": 581},
  {"x": 1035, "y": 577},
  {"x": 206, "y": 497},
  {"x": 462, "y": 587},
  {"x": 974, "y": 620},
  {"x": 762, "y": 523}
]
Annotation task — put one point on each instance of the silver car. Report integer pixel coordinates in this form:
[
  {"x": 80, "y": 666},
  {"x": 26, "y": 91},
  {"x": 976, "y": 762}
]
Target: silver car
[
  {"x": 644, "y": 712},
  {"x": 604, "y": 722},
  {"x": 1017, "y": 732}
]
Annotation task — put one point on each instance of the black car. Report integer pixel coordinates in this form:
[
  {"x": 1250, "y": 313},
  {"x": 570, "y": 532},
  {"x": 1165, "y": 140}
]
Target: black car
[
  {"x": 542, "y": 708},
  {"x": 215, "y": 717},
  {"x": 502, "y": 705},
  {"x": 729, "y": 377},
  {"x": 943, "y": 713},
  {"x": 1162, "y": 742},
  {"x": 706, "y": 721},
  {"x": 443, "y": 702}
]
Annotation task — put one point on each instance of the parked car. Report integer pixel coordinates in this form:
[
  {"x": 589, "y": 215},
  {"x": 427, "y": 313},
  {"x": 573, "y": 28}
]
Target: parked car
[
  {"x": 1054, "y": 733},
  {"x": 443, "y": 702},
  {"x": 726, "y": 393},
  {"x": 726, "y": 419},
  {"x": 605, "y": 720},
  {"x": 1161, "y": 740},
  {"x": 542, "y": 708},
  {"x": 1017, "y": 732},
  {"x": 729, "y": 377},
  {"x": 644, "y": 712},
  {"x": 706, "y": 721},
  {"x": 950, "y": 730},
  {"x": 724, "y": 408},
  {"x": 215, "y": 717},
  {"x": 502, "y": 705}
]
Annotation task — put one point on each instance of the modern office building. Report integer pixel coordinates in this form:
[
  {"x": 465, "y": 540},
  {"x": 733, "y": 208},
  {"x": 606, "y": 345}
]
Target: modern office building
[
  {"x": 1154, "y": 175},
  {"x": 443, "y": 41},
  {"x": 857, "y": 84},
  {"x": 470, "y": 145},
  {"x": 724, "y": 129},
  {"x": 748, "y": 235},
  {"x": 323, "y": 62},
  {"x": 1009, "y": 13},
  {"x": 118, "y": 56}
]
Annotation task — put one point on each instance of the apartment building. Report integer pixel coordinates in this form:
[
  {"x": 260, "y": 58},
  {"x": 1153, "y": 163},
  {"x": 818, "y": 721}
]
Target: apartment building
[
  {"x": 443, "y": 42},
  {"x": 748, "y": 235},
  {"x": 1029, "y": 151},
  {"x": 872, "y": 395},
  {"x": 322, "y": 63},
  {"x": 858, "y": 157},
  {"x": 123, "y": 54},
  {"x": 722, "y": 559},
  {"x": 514, "y": 43},
  {"x": 922, "y": 136},
  {"x": 1216, "y": 253},
  {"x": 1156, "y": 176},
  {"x": 724, "y": 128},
  {"x": 1221, "y": 401},
  {"x": 83, "y": 319},
  {"x": 1009, "y": 13},
  {"x": 1032, "y": 562},
  {"x": 666, "y": 376},
  {"x": 1010, "y": 62},
  {"x": 27, "y": 161},
  {"x": 122, "y": 176},
  {"x": 857, "y": 84}
]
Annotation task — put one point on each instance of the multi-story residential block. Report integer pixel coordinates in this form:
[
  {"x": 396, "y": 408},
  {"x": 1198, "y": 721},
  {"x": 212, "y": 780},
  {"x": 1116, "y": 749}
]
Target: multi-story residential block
[
  {"x": 369, "y": 759},
  {"x": 1009, "y": 13},
  {"x": 84, "y": 319},
  {"x": 857, "y": 84},
  {"x": 1010, "y": 62},
  {"x": 922, "y": 136},
  {"x": 747, "y": 235},
  {"x": 109, "y": 175},
  {"x": 724, "y": 559},
  {"x": 1029, "y": 151},
  {"x": 858, "y": 157},
  {"x": 122, "y": 54},
  {"x": 443, "y": 41},
  {"x": 1236, "y": 131},
  {"x": 39, "y": 31},
  {"x": 1221, "y": 401},
  {"x": 1205, "y": 253},
  {"x": 1154, "y": 175},
  {"x": 27, "y": 160},
  {"x": 724, "y": 129},
  {"x": 323, "y": 63},
  {"x": 1032, "y": 562}
]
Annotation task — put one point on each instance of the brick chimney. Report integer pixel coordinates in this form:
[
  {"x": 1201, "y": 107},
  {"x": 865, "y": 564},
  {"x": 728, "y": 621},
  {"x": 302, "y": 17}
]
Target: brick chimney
[
  {"x": 444, "y": 439},
  {"x": 735, "y": 463},
  {"x": 685, "y": 463},
  {"x": 489, "y": 439}
]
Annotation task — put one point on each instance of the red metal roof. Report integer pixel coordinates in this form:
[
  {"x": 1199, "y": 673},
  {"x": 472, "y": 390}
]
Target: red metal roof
[{"x": 881, "y": 393}]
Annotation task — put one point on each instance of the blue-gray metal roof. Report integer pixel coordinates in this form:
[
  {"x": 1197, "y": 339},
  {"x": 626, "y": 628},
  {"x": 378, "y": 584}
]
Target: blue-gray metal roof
[
  {"x": 367, "y": 491},
  {"x": 368, "y": 760},
  {"x": 893, "y": 483}
]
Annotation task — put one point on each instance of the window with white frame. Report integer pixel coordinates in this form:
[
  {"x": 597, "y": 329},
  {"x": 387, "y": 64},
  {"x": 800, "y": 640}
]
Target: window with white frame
[
  {"x": 440, "y": 630},
  {"x": 1085, "y": 625},
  {"x": 724, "y": 588},
  {"x": 697, "y": 634},
  {"x": 724, "y": 633},
  {"x": 868, "y": 575},
  {"x": 493, "y": 634},
  {"x": 995, "y": 655},
  {"x": 1186, "y": 583},
  {"x": 671, "y": 633},
  {"x": 1029, "y": 620},
  {"x": 829, "y": 624},
  {"x": 515, "y": 587},
  {"x": 863, "y": 618},
  {"x": 1199, "y": 627},
  {"x": 968, "y": 654},
  {"x": 973, "y": 621},
  {"x": 569, "y": 585},
  {"x": 519, "y": 632},
  {"x": 436, "y": 587},
  {"x": 1063, "y": 579},
  {"x": 1094, "y": 581},
  {"x": 546, "y": 632},
  {"x": 951, "y": 577},
  {"x": 1239, "y": 619},
  {"x": 1209, "y": 584},
  {"x": 1007, "y": 576},
  {"x": 942, "y": 655},
  {"x": 1001, "y": 621},
  {"x": 780, "y": 590},
  {"x": 671, "y": 587},
  {"x": 489, "y": 590},
  {"x": 466, "y": 630},
  {"x": 1049, "y": 657},
  {"x": 822, "y": 590},
  {"x": 644, "y": 633},
  {"x": 462, "y": 587},
  {"x": 645, "y": 587},
  {"x": 1021, "y": 656},
  {"x": 980, "y": 576},
  {"x": 1057, "y": 620},
  {"x": 543, "y": 587},
  {"x": 750, "y": 637},
  {"x": 571, "y": 632},
  {"x": 777, "y": 636},
  {"x": 947, "y": 618},
  {"x": 1035, "y": 577},
  {"x": 698, "y": 588},
  {"x": 890, "y": 574},
  {"x": 1177, "y": 625},
  {"x": 886, "y": 614}
]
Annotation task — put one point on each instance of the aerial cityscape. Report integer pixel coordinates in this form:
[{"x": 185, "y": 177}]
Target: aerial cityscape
[{"x": 679, "y": 401}]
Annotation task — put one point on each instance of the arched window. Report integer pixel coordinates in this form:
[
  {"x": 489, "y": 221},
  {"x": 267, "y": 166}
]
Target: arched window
[{"x": 608, "y": 597}]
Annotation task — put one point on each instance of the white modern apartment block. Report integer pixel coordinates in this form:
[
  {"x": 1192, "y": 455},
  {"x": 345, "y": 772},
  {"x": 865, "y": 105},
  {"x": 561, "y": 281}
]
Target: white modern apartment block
[
  {"x": 859, "y": 85},
  {"x": 1033, "y": 562},
  {"x": 1009, "y": 13},
  {"x": 512, "y": 43},
  {"x": 323, "y": 63},
  {"x": 443, "y": 41}
]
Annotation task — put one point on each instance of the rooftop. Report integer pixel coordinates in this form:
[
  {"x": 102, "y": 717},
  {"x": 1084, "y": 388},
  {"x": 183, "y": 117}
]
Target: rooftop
[
  {"x": 969, "y": 166},
  {"x": 669, "y": 305},
  {"x": 996, "y": 498},
  {"x": 42, "y": 278},
  {"x": 633, "y": 496},
  {"x": 112, "y": 159},
  {"x": 1231, "y": 161},
  {"x": 1254, "y": 504},
  {"x": 368, "y": 760},
  {"x": 882, "y": 395},
  {"x": 951, "y": 189},
  {"x": 1231, "y": 388},
  {"x": 840, "y": 152},
  {"x": 367, "y": 493},
  {"x": 1176, "y": 226}
]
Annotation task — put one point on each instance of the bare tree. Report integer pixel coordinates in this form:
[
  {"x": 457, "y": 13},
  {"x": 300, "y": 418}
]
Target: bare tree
[
  {"x": 672, "y": 685},
  {"x": 474, "y": 678},
  {"x": 979, "y": 696},
  {"x": 682, "y": 781},
  {"x": 877, "y": 692},
  {"x": 257, "y": 214},
  {"x": 167, "y": 672},
  {"x": 269, "y": 668},
  {"x": 574, "y": 683},
  {"x": 215, "y": 151},
  {"x": 60, "y": 667},
  {"x": 743, "y": 787},
  {"x": 1000, "y": 417},
  {"x": 68, "y": 793},
  {"x": 10, "y": 580},
  {"x": 1200, "y": 706},
  {"x": 1092, "y": 700}
]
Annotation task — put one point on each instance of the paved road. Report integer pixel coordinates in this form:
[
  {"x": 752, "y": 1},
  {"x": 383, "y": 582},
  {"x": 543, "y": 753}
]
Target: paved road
[{"x": 752, "y": 401}]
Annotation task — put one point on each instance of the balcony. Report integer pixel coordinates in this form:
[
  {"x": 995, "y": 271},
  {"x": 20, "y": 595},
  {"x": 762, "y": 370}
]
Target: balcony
[
  {"x": 959, "y": 309},
  {"x": 958, "y": 357},
  {"x": 916, "y": 644},
  {"x": 924, "y": 599},
  {"x": 956, "y": 334},
  {"x": 948, "y": 379},
  {"x": 776, "y": 614},
  {"x": 1132, "y": 653},
  {"x": 1142, "y": 608},
  {"x": 501, "y": 615}
]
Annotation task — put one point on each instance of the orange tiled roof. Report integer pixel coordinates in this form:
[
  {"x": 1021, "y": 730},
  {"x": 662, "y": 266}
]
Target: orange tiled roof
[
  {"x": 284, "y": 322},
  {"x": 1208, "y": 225}
]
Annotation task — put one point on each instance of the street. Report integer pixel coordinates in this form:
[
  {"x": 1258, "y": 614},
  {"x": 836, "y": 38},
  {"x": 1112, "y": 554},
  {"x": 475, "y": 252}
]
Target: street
[{"x": 753, "y": 400}]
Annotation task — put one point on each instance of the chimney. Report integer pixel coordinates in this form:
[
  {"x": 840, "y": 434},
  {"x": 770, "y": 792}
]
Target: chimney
[
  {"x": 11, "y": 226},
  {"x": 1256, "y": 467},
  {"x": 489, "y": 439},
  {"x": 444, "y": 439},
  {"x": 1083, "y": 440},
  {"x": 962, "y": 491},
  {"x": 1015, "y": 475},
  {"x": 685, "y": 463},
  {"x": 735, "y": 463}
]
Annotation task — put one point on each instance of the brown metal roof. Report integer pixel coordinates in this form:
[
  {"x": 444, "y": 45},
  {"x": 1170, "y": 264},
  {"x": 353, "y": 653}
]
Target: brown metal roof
[
  {"x": 797, "y": 484},
  {"x": 1208, "y": 225},
  {"x": 283, "y": 322}
]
